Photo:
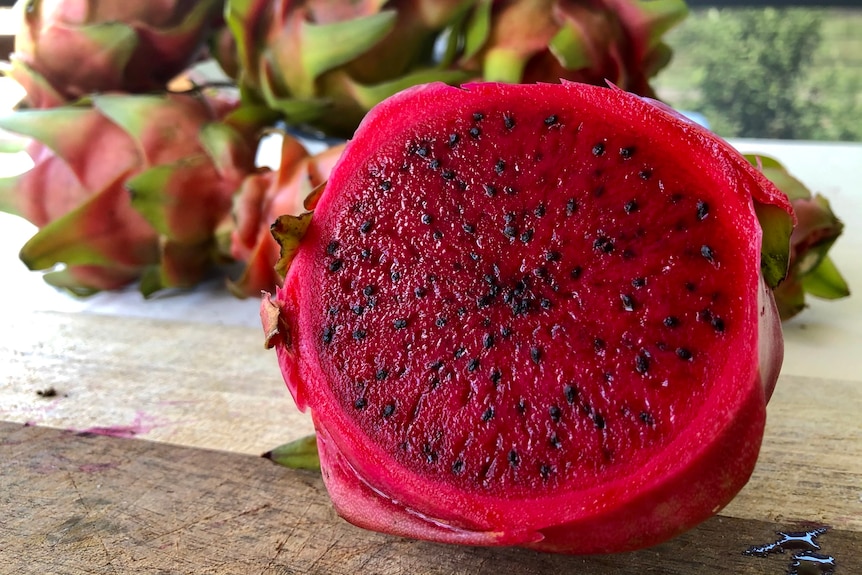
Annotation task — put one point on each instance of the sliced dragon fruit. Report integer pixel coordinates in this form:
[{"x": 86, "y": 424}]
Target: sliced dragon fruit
[{"x": 533, "y": 315}]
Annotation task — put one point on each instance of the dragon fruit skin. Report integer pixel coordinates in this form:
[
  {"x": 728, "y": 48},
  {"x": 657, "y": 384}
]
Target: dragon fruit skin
[
  {"x": 263, "y": 197},
  {"x": 430, "y": 493},
  {"x": 66, "y": 49},
  {"x": 811, "y": 270},
  {"x": 130, "y": 187}
]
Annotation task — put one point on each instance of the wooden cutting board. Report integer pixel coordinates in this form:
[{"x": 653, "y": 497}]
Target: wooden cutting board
[{"x": 144, "y": 459}]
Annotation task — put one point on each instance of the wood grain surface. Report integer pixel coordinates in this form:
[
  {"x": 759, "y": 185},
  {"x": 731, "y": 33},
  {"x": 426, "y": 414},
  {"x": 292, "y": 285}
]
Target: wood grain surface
[
  {"x": 181, "y": 489},
  {"x": 93, "y": 504}
]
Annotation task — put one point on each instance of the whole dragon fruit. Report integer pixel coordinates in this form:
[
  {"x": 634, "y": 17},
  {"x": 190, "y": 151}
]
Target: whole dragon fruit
[
  {"x": 66, "y": 49},
  {"x": 263, "y": 197},
  {"x": 325, "y": 64},
  {"x": 811, "y": 270},
  {"x": 129, "y": 187},
  {"x": 533, "y": 315},
  {"x": 592, "y": 41}
]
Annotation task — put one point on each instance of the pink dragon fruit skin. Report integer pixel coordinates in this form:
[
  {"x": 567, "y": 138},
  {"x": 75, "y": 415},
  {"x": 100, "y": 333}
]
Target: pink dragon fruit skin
[
  {"x": 130, "y": 187},
  {"x": 263, "y": 197},
  {"x": 66, "y": 49},
  {"x": 420, "y": 428}
]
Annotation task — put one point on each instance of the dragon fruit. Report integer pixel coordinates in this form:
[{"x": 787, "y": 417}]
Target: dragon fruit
[
  {"x": 811, "y": 270},
  {"x": 290, "y": 62},
  {"x": 593, "y": 42},
  {"x": 263, "y": 197},
  {"x": 65, "y": 50},
  {"x": 533, "y": 315},
  {"x": 129, "y": 187}
]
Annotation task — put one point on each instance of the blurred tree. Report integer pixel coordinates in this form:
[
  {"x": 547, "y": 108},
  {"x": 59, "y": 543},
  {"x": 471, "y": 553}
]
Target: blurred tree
[{"x": 752, "y": 81}]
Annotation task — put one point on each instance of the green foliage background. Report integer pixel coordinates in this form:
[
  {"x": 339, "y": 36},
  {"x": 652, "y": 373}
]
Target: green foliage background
[{"x": 793, "y": 73}]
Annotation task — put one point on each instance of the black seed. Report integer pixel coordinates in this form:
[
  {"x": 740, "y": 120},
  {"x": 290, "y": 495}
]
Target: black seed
[
  {"x": 441, "y": 321},
  {"x": 527, "y": 235},
  {"x": 431, "y": 456},
  {"x": 335, "y": 265},
  {"x": 475, "y": 132},
  {"x": 505, "y": 331},
  {"x": 422, "y": 151},
  {"x": 639, "y": 282},
  {"x": 495, "y": 376},
  {"x": 626, "y": 153},
  {"x": 522, "y": 406},
  {"x": 328, "y": 333},
  {"x": 469, "y": 228},
  {"x": 473, "y": 364},
  {"x": 388, "y": 409},
  {"x": 500, "y": 166},
  {"x": 474, "y": 256},
  {"x": 437, "y": 234},
  {"x": 576, "y": 272},
  {"x": 359, "y": 334},
  {"x": 535, "y": 354},
  {"x": 489, "y": 413},
  {"x": 385, "y": 185},
  {"x": 460, "y": 352},
  {"x": 598, "y": 344},
  {"x": 368, "y": 290},
  {"x": 642, "y": 361},
  {"x": 555, "y": 441},
  {"x": 457, "y": 466},
  {"x": 604, "y": 244},
  {"x": 330, "y": 249},
  {"x": 357, "y": 309},
  {"x": 478, "y": 116},
  {"x": 427, "y": 218},
  {"x": 434, "y": 164},
  {"x": 599, "y": 149},
  {"x": 360, "y": 403},
  {"x": 448, "y": 174},
  {"x": 381, "y": 374},
  {"x": 400, "y": 323},
  {"x": 631, "y": 206},
  {"x": 671, "y": 321},
  {"x": 645, "y": 174},
  {"x": 419, "y": 292},
  {"x": 702, "y": 210},
  {"x": 365, "y": 227},
  {"x": 545, "y": 303},
  {"x": 490, "y": 190},
  {"x": 462, "y": 311},
  {"x": 647, "y": 418},
  {"x": 510, "y": 231},
  {"x": 488, "y": 340},
  {"x": 683, "y": 353},
  {"x": 509, "y": 217},
  {"x": 598, "y": 420},
  {"x": 365, "y": 253},
  {"x": 453, "y": 139},
  {"x": 509, "y": 190},
  {"x": 628, "y": 302},
  {"x": 707, "y": 252},
  {"x": 513, "y": 458},
  {"x": 571, "y": 394},
  {"x": 540, "y": 272},
  {"x": 539, "y": 211},
  {"x": 545, "y": 470},
  {"x": 571, "y": 206},
  {"x": 551, "y": 120},
  {"x": 718, "y": 324},
  {"x": 689, "y": 286},
  {"x": 508, "y": 121},
  {"x": 553, "y": 256},
  {"x": 555, "y": 413}
]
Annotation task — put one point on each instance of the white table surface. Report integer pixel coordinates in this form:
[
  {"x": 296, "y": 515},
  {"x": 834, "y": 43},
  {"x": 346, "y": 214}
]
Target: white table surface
[{"x": 825, "y": 340}]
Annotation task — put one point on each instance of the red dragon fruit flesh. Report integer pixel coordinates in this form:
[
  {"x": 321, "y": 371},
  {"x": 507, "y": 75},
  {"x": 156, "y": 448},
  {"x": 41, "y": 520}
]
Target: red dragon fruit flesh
[{"x": 531, "y": 315}]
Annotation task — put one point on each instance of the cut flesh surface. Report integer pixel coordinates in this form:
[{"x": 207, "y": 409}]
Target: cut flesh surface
[{"x": 525, "y": 313}]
